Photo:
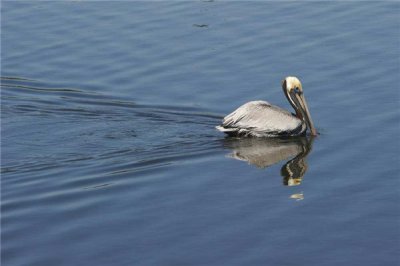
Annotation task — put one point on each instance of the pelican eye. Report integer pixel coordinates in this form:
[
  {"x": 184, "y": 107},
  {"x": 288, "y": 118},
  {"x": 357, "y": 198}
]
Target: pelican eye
[{"x": 297, "y": 90}]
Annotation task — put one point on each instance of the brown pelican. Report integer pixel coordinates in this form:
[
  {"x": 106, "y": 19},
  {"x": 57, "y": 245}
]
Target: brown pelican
[{"x": 262, "y": 119}]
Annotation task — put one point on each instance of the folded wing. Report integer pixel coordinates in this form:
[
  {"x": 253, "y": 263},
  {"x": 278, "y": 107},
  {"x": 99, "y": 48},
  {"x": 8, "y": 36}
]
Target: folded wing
[{"x": 259, "y": 118}]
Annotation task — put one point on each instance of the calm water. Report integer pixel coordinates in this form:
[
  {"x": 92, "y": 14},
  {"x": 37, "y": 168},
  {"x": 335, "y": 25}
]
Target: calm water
[{"x": 110, "y": 156}]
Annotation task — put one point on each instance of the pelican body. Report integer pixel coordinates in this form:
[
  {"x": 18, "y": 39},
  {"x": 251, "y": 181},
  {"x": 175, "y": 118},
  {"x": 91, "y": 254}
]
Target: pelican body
[{"x": 262, "y": 119}]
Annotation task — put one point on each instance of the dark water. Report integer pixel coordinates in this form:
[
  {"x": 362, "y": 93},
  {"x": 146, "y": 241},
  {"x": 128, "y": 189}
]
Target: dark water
[{"x": 110, "y": 156}]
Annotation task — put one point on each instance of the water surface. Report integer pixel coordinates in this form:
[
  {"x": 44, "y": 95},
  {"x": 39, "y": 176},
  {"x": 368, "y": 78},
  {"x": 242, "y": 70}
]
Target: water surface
[{"x": 110, "y": 155}]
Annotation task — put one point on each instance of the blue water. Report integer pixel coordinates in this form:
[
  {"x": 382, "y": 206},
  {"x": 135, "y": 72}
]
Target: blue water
[{"x": 109, "y": 154}]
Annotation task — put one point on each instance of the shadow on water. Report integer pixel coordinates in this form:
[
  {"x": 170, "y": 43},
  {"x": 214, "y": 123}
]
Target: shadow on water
[{"x": 264, "y": 152}]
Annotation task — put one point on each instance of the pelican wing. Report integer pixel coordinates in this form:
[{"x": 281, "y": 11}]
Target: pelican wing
[{"x": 259, "y": 118}]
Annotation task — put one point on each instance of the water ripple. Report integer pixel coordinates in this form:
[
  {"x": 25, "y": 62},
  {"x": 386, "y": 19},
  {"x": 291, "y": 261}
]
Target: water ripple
[{"x": 110, "y": 155}]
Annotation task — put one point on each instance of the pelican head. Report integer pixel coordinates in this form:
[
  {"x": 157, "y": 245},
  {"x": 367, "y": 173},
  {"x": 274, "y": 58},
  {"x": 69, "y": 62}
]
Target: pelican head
[{"x": 294, "y": 93}]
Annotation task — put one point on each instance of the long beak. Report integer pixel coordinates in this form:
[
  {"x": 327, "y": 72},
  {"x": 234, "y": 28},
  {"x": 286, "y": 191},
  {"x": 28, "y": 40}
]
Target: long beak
[{"x": 306, "y": 113}]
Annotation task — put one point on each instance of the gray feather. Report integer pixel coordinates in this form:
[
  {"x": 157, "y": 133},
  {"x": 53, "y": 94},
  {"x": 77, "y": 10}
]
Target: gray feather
[{"x": 261, "y": 119}]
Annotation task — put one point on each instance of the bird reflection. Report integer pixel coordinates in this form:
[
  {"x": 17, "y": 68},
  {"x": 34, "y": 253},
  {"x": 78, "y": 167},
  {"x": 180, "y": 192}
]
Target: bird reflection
[{"x": 264, "y": 152}]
